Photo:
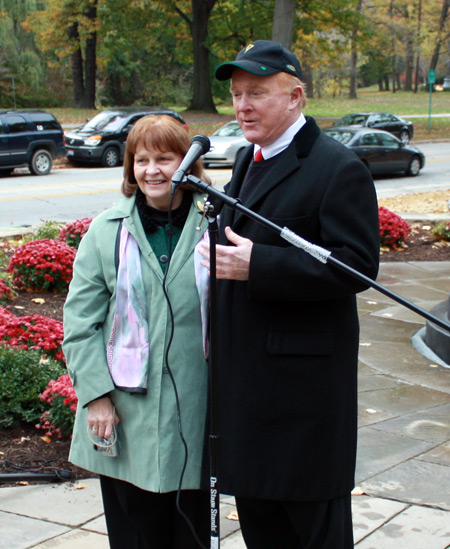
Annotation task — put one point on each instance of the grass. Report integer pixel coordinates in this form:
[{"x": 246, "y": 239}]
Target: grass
[{"x": 325, "y": 110}]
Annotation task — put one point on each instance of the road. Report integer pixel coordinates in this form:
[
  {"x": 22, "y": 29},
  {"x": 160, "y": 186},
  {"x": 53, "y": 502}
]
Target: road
[{"x": 69, "y": 194}]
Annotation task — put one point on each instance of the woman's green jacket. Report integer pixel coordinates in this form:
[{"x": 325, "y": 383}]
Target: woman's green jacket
[{"x": 151, "y": 450}]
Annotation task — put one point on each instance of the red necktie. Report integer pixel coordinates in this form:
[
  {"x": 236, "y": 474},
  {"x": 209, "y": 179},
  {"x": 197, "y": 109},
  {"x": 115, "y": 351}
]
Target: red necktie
[{"x": 258, "y": 156}]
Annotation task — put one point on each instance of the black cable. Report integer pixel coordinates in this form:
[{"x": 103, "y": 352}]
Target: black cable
[{"x": 172, "y": 378}]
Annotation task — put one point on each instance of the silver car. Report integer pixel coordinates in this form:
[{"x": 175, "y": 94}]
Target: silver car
[{"x": 227, "y": 143}]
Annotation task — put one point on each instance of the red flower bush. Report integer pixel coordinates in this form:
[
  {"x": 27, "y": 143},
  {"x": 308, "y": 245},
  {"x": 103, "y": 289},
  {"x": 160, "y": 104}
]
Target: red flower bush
[
  {"x": 6, "y": 292},
  {"x": 32, "y": 332},
  {"x": 73, "y": 232},
  {"x": 62, "y": 399},
  {"x": 42, "y": 265},
  {"x": 394, "y": 230}
]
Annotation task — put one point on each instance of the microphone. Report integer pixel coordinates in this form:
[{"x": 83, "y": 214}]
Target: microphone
[{"x": 200, "y": 145}]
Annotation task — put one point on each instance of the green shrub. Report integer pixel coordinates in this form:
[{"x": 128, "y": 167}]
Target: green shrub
[
  {"x": 442, "y": 230},
  {"x": 50, "y": 229},
  {"x": 23, "y": 377}
]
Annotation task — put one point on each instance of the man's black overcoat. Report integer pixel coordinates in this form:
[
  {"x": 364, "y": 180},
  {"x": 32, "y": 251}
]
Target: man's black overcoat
[{"x": 288, "y": 337}]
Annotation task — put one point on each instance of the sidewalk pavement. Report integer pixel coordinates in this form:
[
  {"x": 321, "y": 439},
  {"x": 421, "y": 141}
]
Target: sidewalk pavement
[{"x": 402, "y": 499}]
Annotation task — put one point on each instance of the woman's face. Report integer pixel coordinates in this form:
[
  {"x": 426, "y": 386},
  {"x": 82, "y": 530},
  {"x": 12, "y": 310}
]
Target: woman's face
[{"x": 153, "y": 171}]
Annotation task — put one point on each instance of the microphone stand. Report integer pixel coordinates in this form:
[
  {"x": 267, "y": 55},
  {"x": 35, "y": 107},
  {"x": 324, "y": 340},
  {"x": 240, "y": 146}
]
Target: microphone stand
[
  {"x": 211, "y": 210},
  {"x": 210, "y": 213}
]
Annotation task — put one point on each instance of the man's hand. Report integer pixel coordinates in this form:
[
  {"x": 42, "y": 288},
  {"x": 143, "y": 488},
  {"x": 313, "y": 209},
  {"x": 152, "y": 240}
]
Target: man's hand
[
  {"x": 101, "y": 417},
  {"x": 232, "y": 262}
]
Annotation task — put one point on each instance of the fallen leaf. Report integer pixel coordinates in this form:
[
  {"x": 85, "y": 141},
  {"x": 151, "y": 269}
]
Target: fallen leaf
[
  {"x": 434, "y": 366},
  {"x": 370, "y": 411},
  {"x": 23, "y": 483},
  {"x": 46, "y": 439},
  {"x": 357, "y": 491},
  {"x": 24, "y": 439},
  {"x": 18, "y": 307},
  {"x": 38, "y": 300},
  {"x": 365, "y": 344},
  {"x": 79, "y": 486},
  {"x": 233, "y": 516}
]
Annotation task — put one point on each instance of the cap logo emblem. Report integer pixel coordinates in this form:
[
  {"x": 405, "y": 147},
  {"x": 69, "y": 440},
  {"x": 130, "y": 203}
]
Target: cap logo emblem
[
  {"x": 263, "y": 68},
  {"x": 249, "y": 47},
  {"x": 290, "y": 67}
]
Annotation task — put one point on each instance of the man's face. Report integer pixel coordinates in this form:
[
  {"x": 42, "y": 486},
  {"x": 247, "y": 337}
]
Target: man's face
[{"x": 263, "y": 106}]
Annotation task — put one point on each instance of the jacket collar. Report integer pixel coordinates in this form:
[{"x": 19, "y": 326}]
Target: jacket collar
[{"x": 293, "y": 156}]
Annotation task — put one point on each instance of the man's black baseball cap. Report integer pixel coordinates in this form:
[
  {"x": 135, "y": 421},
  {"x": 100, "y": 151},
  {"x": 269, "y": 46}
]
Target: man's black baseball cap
[{"x": 262, "y": 58}]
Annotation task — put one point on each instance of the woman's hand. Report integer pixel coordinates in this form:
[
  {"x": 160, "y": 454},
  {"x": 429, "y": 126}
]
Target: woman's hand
[{"x": 102, "y": 417}]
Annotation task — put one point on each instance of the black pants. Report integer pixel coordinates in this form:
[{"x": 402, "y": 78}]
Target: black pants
[
  {"x": 267, "y": 524},
  {"x": 137, "y": 519}
]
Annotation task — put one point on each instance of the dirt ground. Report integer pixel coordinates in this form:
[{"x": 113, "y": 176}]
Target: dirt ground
[{"x": 22, "y": 449}]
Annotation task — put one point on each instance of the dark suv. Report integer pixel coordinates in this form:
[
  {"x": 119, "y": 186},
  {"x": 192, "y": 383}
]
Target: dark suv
[
  {"x": 29, "y": 138},
  {"x": 102, "y": 139}
]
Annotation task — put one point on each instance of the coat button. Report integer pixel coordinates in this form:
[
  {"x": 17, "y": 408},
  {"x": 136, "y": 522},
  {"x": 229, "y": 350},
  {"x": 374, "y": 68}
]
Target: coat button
[{"x": 164, "y": 258}]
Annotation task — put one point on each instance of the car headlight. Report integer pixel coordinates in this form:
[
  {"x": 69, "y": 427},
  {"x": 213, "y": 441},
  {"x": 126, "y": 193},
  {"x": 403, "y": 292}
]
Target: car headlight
[{"x": 93, "y": 140}]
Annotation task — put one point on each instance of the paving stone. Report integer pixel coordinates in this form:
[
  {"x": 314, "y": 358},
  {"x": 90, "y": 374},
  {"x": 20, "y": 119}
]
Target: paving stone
[
  {"x": 404, "y": 398},
  {"x": 406, "y": 363},
  {"x": 28, "y": 501},
  {"x": 234, "y": 541},
  {"x": 23, "y": 532},
  {"x": 414, "y": 528},
  {"x": 370, "y": 513},
  {"x": 97, "y": 525},
  {"x": 431, "y": 425},
  {"x": 375, "y": 382},
  {"x": 379, "y": 451},
  {"x": 76, "y": 539},
  {"x": 415, "y": 482},
  {"x": 376, "y": 328},
  {"x": 440, "y": 455}
]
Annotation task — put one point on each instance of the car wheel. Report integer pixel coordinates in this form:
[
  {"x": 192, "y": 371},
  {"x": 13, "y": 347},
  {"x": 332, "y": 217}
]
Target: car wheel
[
  {"x": 41, "y": 162},
  {"x": 414, "y": 166},
  {"x": 110, "y": 157},
  {"x": 4, "y": 172},
  {"x": 404, "y": 137}
]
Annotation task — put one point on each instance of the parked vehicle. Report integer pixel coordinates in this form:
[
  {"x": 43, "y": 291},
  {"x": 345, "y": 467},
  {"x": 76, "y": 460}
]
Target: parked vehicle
[
  {"x": 403, "y": 129},
  {"x": 30, "y": 138},
  {"x": 379, "y": 150},
  {"x": 102, "y": 139},
  {"x": 226, "y": 145}
]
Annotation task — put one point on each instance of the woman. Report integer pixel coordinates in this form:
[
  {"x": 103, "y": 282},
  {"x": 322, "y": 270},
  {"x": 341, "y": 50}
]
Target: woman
[{"x": 138, "y": 370}]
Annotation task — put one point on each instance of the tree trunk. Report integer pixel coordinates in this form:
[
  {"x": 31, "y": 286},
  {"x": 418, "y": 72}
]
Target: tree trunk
[
  {"x": 283, "y": 22},
  {"x": 445, "y": 13},
  {"x": 91, "y": 59},
  {"x": 76, "y": 60},
  {"x": 308, "y": 79},
  {"x": 202, "y": 99},
  {"x": 419, "y": 43},
  {"x": 409, "y": 64},
  {"x": 354, "y": 59}
]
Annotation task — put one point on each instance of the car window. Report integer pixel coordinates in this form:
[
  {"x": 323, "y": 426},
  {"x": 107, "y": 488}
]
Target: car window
[
  {"x": 110, "y": 121},
  {"x": 376, "y": 118},
  {"x": 388, "y": 141},
  {"x": 342, "y": 137},
  {"x": 16, "y": 123},
  {"x": 44, "y": 121},
  {"x": 392, "y": 118},
  {"x": 2, "y": 128},
  {"x": 369, "y": 140},
  {"x": 229, "y": 130}
]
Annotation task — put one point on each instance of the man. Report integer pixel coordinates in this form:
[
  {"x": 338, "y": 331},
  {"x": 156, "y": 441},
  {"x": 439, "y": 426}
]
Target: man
[{"x": 288, "y": 323}]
